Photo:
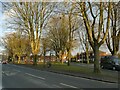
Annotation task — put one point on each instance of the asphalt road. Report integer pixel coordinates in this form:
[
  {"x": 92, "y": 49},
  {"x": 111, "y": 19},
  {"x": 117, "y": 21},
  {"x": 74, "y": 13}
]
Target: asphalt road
[{"x": 14, "y": 76}]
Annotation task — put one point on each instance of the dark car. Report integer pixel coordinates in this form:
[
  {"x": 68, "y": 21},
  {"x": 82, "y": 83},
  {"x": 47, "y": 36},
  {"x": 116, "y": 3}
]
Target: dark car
[{"x": 110, "y": 62}]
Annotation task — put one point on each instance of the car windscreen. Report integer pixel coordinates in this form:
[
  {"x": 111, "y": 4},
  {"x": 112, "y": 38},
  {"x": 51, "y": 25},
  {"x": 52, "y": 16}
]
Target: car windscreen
[{"x": 117, "y": 60}]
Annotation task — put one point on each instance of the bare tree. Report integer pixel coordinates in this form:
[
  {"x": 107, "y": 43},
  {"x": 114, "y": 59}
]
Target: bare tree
[
  {"x": 68, "y": 9},
  {"x": 113, "y": 39},
  {"x": 58, "y": 34},
  {"x": 73, "y": 25},
  {"x": 17, "y": 44},
  {"x": 96, "y": 40},
  {"x": 45, "y": 46},
  {"x": 83, "y": 38},
  {"x": 32, "y": 18}
]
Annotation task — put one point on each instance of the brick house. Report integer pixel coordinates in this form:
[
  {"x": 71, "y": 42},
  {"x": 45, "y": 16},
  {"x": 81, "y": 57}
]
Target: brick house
[{"x": 91, "y": 55}]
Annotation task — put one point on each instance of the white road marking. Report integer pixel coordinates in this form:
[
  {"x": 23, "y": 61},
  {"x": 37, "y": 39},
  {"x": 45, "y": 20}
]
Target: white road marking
[
  {"x": 34, "y": 76},
  {"x": 68, "y": 85},
  {"x": 17, "y": 70},
  {"x": 7, "y": 73}
]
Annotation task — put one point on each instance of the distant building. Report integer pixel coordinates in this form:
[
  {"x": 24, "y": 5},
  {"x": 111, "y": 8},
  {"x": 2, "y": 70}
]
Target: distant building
[
  {"x": 90, "y": 55},
  {"x": 47, "y": 58}
]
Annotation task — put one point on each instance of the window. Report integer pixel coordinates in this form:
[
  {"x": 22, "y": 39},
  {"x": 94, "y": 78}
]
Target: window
[{"x": 117, "y": 61}]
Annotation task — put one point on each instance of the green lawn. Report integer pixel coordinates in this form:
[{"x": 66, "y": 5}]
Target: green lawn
[{"x": 64, "y": 67}]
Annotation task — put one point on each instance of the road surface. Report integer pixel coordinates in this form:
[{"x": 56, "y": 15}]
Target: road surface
[{"x": 14, "y": 76}]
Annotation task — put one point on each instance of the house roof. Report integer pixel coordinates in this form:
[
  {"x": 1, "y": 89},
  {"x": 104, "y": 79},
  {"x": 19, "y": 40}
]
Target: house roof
[{"x": 92, "y": 51}]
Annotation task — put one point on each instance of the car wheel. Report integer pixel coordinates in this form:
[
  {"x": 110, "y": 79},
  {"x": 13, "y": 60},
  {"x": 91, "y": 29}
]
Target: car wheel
[
  {"x": 114, "y": 68},
  {"x": 102, "y": 66}
]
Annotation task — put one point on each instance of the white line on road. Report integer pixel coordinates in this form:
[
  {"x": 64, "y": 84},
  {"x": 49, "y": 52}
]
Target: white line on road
[
  {"x": 34, "y": 76},
  {"x": 17, "y": 70},
  {"x": 68, "y": 85}
]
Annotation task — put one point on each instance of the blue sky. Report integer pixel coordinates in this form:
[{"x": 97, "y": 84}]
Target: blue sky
[
  {"x": 1, "y": 23},
  {"x": 0, "y": 19},
  {"x": 2, "y": 31}
]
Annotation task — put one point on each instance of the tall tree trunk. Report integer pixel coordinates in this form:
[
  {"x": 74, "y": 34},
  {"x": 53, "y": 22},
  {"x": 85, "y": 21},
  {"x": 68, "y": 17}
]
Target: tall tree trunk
[
  {"x": 44, "y": 58},
  {"x": 26, "y": 59},
  {"x": 114, "y": 45},
  {"x": 61, "y": 60},
  {"x": 56, "y": 56},
  {"x": 61, "y": 57},
  {"x": 69, "y": 57},
  {"x": 87, "y": 57},
  {"x": 96, "y": 59},
  {"x": 13, "y": 58},
  {"x": 35, "y": 59},
  {"x": 18, "y": 59},
  {"x": 87, "y": 52},
  {"x": 114, "y": 53}
]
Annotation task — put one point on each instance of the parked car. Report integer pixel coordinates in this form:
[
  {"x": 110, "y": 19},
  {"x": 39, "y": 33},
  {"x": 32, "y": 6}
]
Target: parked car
[
  {"x": 73, "y": 59},
  {"x": 4, "y": 62},
  {"x": 110, "y": 62},
  {"x": 79, "y": 60},
  {"x": 65, "y": 61}
]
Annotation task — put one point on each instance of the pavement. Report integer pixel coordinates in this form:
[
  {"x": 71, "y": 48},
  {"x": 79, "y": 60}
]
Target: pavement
[{"x": 15, "y": 76}]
